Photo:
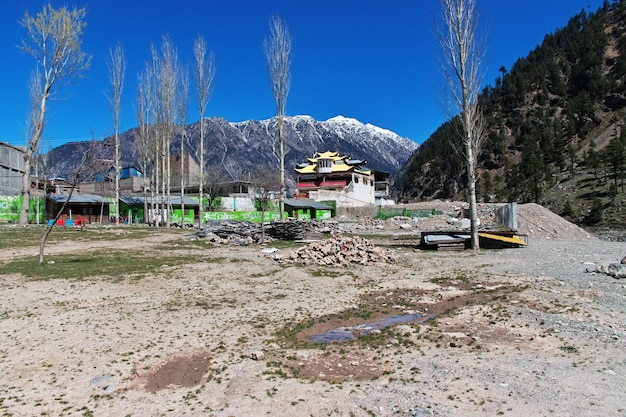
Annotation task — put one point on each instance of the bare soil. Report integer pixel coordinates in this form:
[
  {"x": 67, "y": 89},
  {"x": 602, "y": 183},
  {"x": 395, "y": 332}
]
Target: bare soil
[{"x": 514, "y": 332}]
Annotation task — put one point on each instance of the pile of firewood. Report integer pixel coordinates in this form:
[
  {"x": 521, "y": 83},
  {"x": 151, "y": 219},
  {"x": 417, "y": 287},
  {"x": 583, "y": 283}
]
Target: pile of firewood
[
  {"x": 289, "y": 230},
  {"x": 232, "y": 232},
  {"x": 242, "y": 232},
  {"x": 338, "y": 250},
  {"x": 299, "y": 229}
]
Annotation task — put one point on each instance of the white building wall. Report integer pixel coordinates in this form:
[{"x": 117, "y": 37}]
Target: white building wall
[
  {"x": 238, "y": 204},
  {"x": 364, "y": 190},
  {"x": 359, "y": 194},
  {"x": 385, "y": 202}
]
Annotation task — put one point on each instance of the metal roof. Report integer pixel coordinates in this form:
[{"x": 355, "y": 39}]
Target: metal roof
[
  {"x": 174, "y": 200},
  {"x": 307, "y": 204},
  {"x": 78, "y": 198}
]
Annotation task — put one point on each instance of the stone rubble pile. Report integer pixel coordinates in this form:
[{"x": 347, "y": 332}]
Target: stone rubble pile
[
  {"x": 339, "y": 251},
  {"x": 615, "y": 270}
]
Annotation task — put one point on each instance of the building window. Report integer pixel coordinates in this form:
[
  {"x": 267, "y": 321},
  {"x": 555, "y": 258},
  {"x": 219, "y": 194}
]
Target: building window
[{"x": 324, "y": 163}]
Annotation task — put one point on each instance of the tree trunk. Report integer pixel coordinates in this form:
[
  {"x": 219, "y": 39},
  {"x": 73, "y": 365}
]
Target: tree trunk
[
  {"x": 49, "y": 228},
  {"x": 282, "y": 167},
  {"x": 471, "y": 185},
  {"x": 201, "y": 185},
  {"x": 23, "y": 219}
]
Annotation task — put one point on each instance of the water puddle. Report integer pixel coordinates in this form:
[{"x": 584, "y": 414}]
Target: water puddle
[
  {"x": 343, "y": 334},
  {"x": 102, "y": 382}
]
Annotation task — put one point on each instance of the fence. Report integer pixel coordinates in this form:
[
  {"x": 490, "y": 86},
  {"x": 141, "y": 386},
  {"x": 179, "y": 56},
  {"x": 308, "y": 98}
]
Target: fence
[{"x": 389, "y": 212}]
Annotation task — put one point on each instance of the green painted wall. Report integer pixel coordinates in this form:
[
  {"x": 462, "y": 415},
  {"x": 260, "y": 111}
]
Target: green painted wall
[
  {"x": 10, "y": 209},
  {"x": 249, "y": 216},
  {"x": 177, "y": 214}
]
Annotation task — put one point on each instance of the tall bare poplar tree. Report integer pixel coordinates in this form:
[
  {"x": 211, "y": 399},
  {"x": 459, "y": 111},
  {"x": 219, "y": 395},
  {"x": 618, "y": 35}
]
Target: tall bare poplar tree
[
  {"x": 116, "y": 66},
  {"x": 204, "y": 73},
  {"x": 183, "y": 100},
  {"x": 162, "y": 79},
  {"x": 53, "y": 39},
  {"x": 277, "y": 49},
  {"x": 144, "y": 114},
  {"x": 152, "y": 74},
  {"x": 462, "y": 53}
]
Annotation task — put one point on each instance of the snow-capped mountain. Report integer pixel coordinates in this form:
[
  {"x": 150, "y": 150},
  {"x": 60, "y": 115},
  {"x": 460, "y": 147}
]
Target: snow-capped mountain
[{"x": 240, "y": 149}]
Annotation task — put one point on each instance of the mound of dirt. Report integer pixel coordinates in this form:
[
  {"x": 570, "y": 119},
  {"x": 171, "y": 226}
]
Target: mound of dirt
[
  {"x": 537, "y": 221},
  {"x": 533, "y": 220}
]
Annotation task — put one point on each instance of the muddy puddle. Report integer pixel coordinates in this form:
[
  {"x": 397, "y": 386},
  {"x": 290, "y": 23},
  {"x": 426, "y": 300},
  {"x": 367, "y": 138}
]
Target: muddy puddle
[{"x": 343, "y": 334}]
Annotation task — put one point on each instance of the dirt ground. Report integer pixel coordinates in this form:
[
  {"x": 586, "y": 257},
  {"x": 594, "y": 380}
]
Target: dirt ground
[{"x": 513, "y": 332}]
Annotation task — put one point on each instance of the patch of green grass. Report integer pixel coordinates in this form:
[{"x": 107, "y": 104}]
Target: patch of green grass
[
  {"x": 328, "y": 272},
  {"x": 288, "y": 334},
  {"x": 184, "y": 244},
  {"x": 284, "y": 244},
  {"x": 457, "y": 275},
  {"x": 12, "y": 237},
  {"x": 114, "y": 263},
  {"x": 569, "y": 349}
]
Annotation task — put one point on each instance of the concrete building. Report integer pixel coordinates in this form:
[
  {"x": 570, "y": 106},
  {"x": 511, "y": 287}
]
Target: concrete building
[
  {"x": 11, "y": 169},
  {"x": 331, "y": 176}
]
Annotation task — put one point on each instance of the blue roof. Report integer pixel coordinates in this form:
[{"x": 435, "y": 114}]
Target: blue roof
[
  {"x": 307, "y": 204},
  {"x": 78, "y": 198},
  {"x": 174, "y": 200}
]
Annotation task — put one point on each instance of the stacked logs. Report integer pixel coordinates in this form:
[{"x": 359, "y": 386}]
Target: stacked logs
[
  {"x": 243, "y": 232},
  {"x": 338, "y": 251},
  {"x": 232, "y": 232},
  {"x": 298, "y": 229},
  {"x": 289, "y": 230}
]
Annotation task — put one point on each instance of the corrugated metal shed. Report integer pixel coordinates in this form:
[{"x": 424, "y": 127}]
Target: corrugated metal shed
[
  {"x": 78, "y": 198},
  {"x": 307, "y": 204},
  {"x": 174, "y": 200}
]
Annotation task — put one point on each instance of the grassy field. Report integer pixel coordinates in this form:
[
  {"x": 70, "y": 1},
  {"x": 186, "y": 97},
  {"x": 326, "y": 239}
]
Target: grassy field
[
  {"x": 12, "y": 237},
  {"x": 85, "y": 262}
]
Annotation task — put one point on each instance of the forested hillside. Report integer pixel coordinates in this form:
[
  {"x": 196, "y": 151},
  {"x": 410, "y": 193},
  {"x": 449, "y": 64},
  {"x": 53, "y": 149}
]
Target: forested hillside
[{"x": 556, "y": 128}]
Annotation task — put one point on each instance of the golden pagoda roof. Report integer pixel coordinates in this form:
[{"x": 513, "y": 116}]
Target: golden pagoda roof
[{"x": 339, "y": 163}]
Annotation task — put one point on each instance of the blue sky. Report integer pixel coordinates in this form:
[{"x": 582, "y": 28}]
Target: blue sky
[{"x": 372, "y": 60}]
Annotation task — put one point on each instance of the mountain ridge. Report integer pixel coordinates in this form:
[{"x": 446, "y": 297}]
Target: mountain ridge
[
  {"x": 239, "y": 149},
  {"x": 555, "y": 129}
]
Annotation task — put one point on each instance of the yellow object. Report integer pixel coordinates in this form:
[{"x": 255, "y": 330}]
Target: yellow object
[{"x": 513, "y": 239}]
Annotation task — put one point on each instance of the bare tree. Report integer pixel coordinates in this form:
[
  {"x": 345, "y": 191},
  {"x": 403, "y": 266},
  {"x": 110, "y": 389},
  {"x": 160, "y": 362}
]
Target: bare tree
[
  {"x": 216, "y": 179},
  {"x": 53, "y": 39},
  {"x": 277, "y": 49},
  {"x": 88, "y": 162},
  {"x": 37, "y": 156},
  {"x": 183, "y": 100},
  {"x": 116, "y": 65},
  {"x": 167, "y": 86},
  {"x": 266, "y": 183},
  {"x": 41, "y": 161},
  {"x": 164, "y": 75},
  {"x": 155, "y": 143},
  {"x": 144, "y": 112},
  {"x": 462, "y": 52},
  {"x": 204, "y": 74}
]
